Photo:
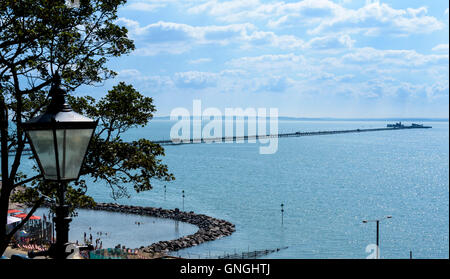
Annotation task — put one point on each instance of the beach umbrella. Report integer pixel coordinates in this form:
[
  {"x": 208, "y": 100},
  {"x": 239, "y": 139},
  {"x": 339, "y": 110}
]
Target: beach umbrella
[
  {"x": 13, "y": 211},
  {"x": 21, "y": 215},
  {"x": 12, "y": 219}
]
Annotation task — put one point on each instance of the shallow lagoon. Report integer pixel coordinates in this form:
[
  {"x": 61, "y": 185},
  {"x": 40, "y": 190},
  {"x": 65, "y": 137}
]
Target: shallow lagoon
[{"x": 121, "y": 228}]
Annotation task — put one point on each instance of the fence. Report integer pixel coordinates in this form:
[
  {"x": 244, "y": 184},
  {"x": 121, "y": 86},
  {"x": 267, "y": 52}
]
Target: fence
[
  {"x": 116, "y": 253},
  {"x": 34, "y": 235}
]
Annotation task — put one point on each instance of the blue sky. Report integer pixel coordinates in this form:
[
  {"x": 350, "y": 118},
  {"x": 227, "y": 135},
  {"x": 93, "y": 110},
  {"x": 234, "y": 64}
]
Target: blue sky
[{"x": 315, "y": 58}]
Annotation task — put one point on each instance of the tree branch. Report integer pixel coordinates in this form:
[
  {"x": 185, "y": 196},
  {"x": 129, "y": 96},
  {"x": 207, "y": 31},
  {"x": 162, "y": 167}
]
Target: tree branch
[{"x": 27, "y": 180}]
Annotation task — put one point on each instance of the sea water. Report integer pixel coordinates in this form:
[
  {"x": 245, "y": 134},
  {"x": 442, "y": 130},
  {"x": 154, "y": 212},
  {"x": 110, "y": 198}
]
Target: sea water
[
  {"x": 129, "y": 230},
  {"x": 328, "y": 184}
]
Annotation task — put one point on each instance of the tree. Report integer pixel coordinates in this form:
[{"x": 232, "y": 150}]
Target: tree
[{"x": 40, "y": 39}]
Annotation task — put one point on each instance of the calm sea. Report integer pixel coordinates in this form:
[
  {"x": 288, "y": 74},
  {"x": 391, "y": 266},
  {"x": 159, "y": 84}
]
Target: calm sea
[{"x": 328, "y": 185}]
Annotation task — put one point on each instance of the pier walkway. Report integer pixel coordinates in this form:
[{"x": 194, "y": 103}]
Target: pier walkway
[
  {"x": 282, "y": 135},
  {"x": 27, "y": 151}
]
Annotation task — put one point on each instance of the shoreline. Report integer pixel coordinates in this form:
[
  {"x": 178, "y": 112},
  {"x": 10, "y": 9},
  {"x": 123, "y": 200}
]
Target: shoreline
[{"x": 209, "y": 228}]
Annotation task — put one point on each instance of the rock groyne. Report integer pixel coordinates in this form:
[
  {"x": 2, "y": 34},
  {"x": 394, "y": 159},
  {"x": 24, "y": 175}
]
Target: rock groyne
[{"x": 209, "y": 228}]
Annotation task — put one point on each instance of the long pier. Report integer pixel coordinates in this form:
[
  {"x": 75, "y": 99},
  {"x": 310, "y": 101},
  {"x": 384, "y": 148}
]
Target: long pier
[
  {"x": 27, "y": 151},
  {"x": 282, "y": 135}
]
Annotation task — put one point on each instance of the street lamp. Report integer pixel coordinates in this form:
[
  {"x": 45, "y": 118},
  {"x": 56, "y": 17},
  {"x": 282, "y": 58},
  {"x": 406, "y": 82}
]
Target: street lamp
[
  {"x": 282, "y": 213},
  {"x": 59, "y": 139},
  {"x": 378, "y": 232},
  {"x": 183, "y": 198}
]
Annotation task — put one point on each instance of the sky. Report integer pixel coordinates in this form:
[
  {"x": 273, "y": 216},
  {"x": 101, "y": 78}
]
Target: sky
[{"x": 318, "y": 58}]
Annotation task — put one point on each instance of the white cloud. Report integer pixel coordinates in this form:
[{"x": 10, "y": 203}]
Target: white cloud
[
  {"x": 217, "y": 8},
  {"x": 303, "y": 48},
  {"x": 134, "y": 28},
  {"x": 352, "y": 75},
  {"x": 223, "y": 80},
  {"x": 127, "y": 73},
  {"x": 237, "y": 10},
  {"x": 146, "y": 83},
  {"x": 326, "y": 76},
  {"x": 417, "y": 12},
  {"x": 168, "y": 31},
  {"x": 176, "y": 38},
  {"x": 195, "y": 80},
  {"x": 199, "y": 61},
  {"x": 275, "y": 84},
  {"x": 151, "y": 5},
  {"x": 258, "y": 38},
  {"x": 268, "y": 61},
  {"x": 374, "y": 18},
  {"x": 233, "y": 73},
  {"x": 162, "y": 31},
  {"x": 289, "y": 42},
  {"x": 304, "y": 13},
  {"x": 144, "y": 6},
  {"x": 441, "y": 48},
  {"x": 397, "y": 57},
  {"x": 438, "y": 90},
  {"x": 331, "y": 42},
  {"x": 152, "y": 49},
  {"x": 224, "y": 34}
]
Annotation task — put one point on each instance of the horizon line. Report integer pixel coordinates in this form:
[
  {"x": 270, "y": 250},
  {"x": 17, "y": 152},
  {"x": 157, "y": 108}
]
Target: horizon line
[{"x": 341, "y": 118}]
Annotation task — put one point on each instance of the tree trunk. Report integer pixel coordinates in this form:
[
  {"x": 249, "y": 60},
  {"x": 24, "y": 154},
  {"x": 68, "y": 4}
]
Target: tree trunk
[
  {"x": 4, "y": 239},
  {"x": 6, "y": 182}
]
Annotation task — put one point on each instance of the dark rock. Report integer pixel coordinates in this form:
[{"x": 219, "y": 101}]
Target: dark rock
[{"x": 209, "y": 227}]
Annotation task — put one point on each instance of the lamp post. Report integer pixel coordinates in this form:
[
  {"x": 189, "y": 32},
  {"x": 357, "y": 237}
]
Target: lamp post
[
  {"x": 282, "y": 213},
  {"x": 183, "y": 198},
  {"x": 378, "y": 232},
  {"x": 59, "y": 139}
]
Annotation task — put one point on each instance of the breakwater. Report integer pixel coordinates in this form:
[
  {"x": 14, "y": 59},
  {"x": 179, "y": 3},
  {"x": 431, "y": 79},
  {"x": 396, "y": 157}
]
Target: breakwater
[
  {"x": 209, "y": 228},
  {"x": 281, "y": 135}
]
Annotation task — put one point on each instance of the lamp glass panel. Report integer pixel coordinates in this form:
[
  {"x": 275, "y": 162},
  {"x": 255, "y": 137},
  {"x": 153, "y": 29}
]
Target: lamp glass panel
[
  {"x": 72, "y": 147},
  {"x": 42, "y": 141}
]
